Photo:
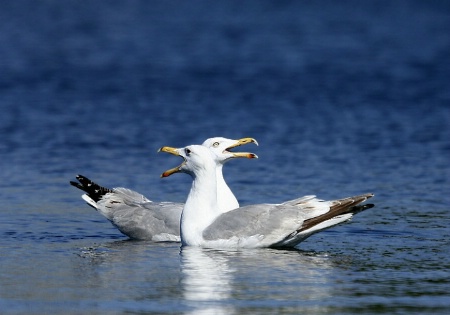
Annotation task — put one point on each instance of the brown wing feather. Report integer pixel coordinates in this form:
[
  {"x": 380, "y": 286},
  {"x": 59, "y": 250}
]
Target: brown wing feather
[{"x": 338, "y": 207}]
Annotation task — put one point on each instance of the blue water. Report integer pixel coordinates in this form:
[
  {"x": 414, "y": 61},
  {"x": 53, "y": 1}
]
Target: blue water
[{"x": 344, "y": 98}]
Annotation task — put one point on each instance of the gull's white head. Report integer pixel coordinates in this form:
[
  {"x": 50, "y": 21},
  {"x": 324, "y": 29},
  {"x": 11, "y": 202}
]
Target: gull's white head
[
  {"x": 222, "y": 148},
  {"x": 198, "y": 157}
]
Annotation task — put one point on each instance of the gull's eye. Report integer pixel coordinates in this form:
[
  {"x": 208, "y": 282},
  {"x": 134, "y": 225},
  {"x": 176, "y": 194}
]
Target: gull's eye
[
  {"x": 187, "y": 151},
  {"x": 216, "y": 144}
]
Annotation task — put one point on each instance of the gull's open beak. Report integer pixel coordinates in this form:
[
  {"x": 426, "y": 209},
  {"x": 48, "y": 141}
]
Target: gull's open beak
[
  {"x": 240, "y": 142},
  {"x": 174, "y": 170}
]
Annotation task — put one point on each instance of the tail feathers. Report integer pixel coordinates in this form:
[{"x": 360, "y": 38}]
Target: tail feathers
[
  {"x": 93, "y": 191},
  {"x": 339, "y": 207}
]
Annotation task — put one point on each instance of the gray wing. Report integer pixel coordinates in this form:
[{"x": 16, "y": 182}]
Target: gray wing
[
  {"x": 267, "y": 219},
  {"x": 151, "y": 221},
  {"x": 286, "y": 224},
  {"x": 266, "y": 222},
  {"x": 138, "y": 218},
  {"x": 131, "y": 212}
]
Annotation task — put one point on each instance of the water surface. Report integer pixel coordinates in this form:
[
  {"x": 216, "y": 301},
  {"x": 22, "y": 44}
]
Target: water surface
[{"x": 344, "y": 98}]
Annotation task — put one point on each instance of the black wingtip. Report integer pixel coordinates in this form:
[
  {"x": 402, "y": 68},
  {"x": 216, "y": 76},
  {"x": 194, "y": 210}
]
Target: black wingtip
[
  {"x": 358, "y": 209},
  {"x": 93, "y": 190},
  {"x": 77, "y": 185}
]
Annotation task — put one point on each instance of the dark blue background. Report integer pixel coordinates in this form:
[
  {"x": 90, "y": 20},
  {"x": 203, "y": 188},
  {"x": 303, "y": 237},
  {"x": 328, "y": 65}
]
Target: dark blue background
[{"x": 344, "y": 97}]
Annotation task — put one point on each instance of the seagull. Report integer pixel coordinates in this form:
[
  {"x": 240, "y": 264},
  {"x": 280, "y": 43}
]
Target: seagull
[
  {"x": 260, "y": 225},
  {"x": 140, "y": 218}
]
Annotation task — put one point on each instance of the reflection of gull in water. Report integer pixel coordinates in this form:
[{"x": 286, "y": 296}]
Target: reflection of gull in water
[
  {"x": 228, "y": 282},
  {"x": 207, "y": 280}
]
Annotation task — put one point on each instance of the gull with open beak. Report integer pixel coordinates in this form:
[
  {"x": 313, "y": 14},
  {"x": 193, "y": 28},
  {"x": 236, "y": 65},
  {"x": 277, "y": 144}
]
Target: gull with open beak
[
  {"x": 140, "y": 218},
  {"x": 260, "y": 225}
]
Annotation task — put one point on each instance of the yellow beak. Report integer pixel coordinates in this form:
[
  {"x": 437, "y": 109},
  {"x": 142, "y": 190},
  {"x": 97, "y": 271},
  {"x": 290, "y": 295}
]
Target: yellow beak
[
  {"x": 174, "y": 170},
  {"x": 240, "y": 142}
]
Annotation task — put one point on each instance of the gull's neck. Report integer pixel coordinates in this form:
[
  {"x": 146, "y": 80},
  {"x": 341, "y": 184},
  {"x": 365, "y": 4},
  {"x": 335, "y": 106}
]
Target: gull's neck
[
  {"x": 225, "y": 197},
  {"x": 201, "y": 208}
]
